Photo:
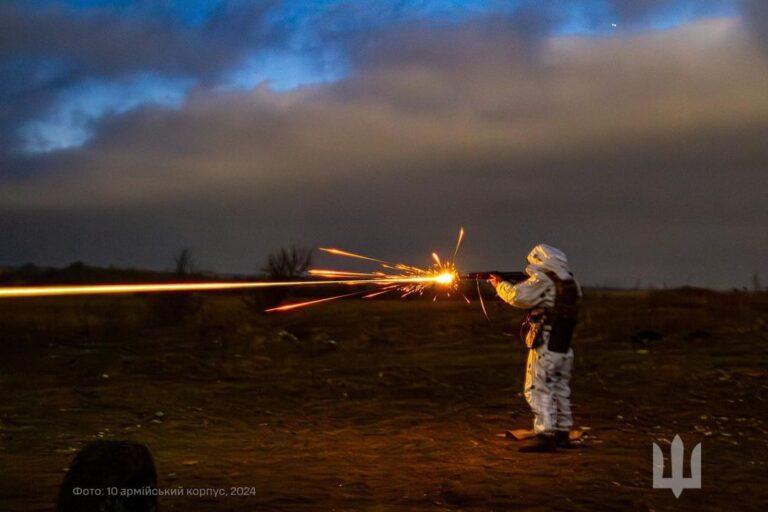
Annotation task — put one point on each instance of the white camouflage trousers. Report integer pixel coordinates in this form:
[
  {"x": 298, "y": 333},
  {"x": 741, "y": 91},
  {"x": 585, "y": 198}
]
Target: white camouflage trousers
[{"x": 547, "y": 390}]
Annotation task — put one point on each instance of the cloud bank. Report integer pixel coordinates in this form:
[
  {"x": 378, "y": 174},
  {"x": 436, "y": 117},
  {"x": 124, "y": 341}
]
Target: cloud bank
[{"x": 641, "y": 154}]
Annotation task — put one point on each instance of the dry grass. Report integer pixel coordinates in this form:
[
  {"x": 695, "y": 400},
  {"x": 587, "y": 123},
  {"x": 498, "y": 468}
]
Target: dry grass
[{"x": 384, "y": 405}]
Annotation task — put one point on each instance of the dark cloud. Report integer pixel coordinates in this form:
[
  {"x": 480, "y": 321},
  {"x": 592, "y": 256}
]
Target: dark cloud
[
  {"x": 107, "y": 41},
  {"x": 634, "y": 11},
  {"x": 642, "y": 156},
  {"x": 756, "y": 17},
  {"x": 48, "y": 48}
]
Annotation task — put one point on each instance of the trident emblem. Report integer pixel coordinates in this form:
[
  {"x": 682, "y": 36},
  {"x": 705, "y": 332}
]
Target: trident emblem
[{"x": 676, "y": 482}]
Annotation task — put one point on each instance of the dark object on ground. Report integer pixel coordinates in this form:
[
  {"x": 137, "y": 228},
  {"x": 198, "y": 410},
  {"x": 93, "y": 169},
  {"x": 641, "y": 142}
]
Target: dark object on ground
[
  {"x": 646, "y": 336},
  {"x": 540, "y": 444},
  {"x": 106, "y": 476},
  {"x": 563, "y": 439},
  {"x": 698, "y": 334}
]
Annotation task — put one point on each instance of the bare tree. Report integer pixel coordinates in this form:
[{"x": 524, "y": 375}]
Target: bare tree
[
  {"x": 283, "y": 265},
  {"x": 756, "y": 284},
  {"x": 175, "y": 307},
  {"x": 183, "y": 263},
  {"x": 288, "y": 263}
]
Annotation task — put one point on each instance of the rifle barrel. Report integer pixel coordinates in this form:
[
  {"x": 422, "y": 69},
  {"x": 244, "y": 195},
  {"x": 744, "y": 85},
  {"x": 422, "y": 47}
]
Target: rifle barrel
[{"x": 512, "y": 277}]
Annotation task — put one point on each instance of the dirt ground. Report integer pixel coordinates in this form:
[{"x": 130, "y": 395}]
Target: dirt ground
[{"x": 388, "y": 405}]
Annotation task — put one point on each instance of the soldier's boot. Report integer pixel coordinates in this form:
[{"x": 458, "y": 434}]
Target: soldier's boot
[{"x": 540, "y": 444}]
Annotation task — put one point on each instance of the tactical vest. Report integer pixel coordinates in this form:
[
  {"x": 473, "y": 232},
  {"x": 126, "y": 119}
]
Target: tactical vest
[{"x": 559, "y": 321}]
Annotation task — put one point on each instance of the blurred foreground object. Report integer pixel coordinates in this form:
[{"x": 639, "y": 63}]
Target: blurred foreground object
[{"x": 101, "y": 470}]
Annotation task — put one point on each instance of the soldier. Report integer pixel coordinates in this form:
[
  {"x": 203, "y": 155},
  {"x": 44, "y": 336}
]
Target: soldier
[{"x": 551, "y": 297}]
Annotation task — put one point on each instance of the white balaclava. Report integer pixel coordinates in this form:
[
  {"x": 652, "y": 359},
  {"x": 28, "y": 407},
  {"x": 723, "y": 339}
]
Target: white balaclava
[{"x": 546, "y": 257}]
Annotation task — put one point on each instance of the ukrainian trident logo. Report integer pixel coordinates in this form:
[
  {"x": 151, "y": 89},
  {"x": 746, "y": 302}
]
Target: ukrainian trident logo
[{"x": 676, "y": 482}]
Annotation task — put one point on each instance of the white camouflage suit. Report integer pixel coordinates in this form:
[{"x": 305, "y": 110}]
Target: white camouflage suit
[{"x": 548, "y": 373}]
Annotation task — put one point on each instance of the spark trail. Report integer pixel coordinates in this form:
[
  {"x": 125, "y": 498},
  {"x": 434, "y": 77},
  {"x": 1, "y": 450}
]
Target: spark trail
[
  {"x": 399, "y": 278},
  {"x": 111, "y": 289},
  {"x": 393, "y": 277}
]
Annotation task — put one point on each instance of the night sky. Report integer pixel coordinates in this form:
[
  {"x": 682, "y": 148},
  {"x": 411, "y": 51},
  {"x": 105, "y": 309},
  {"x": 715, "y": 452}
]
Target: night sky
[{"x": 633, "y": 134}]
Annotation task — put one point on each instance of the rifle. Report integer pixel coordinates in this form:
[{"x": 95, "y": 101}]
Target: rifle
[{"x": 512, "y": 277}]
